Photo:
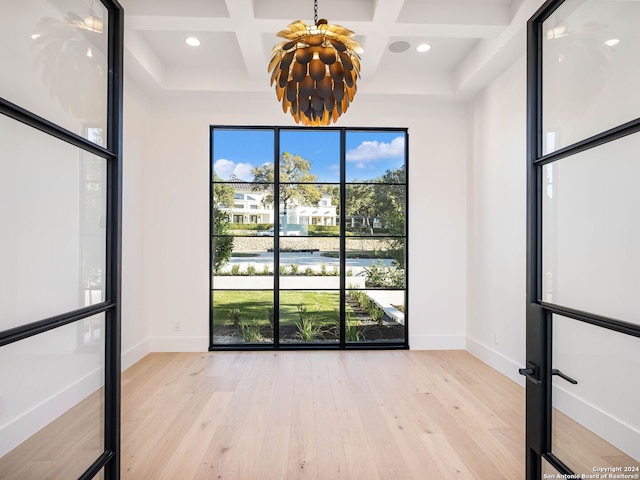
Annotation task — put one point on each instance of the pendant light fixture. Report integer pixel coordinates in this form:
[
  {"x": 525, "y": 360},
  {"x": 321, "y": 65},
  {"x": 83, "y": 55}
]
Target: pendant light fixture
[{"x": 315, "y": 70}]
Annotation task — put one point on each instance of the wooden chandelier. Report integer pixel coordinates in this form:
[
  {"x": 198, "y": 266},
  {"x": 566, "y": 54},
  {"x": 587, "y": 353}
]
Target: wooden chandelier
[{"x": 315, "y": 71}]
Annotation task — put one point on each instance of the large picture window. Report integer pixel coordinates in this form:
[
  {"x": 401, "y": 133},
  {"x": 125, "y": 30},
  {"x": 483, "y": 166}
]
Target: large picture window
[{"x": 308, "y": 238}]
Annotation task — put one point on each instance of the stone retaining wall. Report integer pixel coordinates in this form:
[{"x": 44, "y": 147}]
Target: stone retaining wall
[{"x": 262, "y": 244}]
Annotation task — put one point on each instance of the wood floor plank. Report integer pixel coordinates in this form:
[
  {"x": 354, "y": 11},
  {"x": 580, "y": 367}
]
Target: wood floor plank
[{"x": 363, "y": 415}]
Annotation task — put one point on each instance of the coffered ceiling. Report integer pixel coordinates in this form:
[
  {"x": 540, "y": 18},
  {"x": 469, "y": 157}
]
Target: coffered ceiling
[{"x": 471, "y": 42}]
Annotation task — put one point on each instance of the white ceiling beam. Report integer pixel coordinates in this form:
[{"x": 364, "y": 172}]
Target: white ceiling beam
[
  {"x": 491, "y": 56},
  {"x": 216, "y": 24},
  {"x": 463, "y": 13},
  {"x": 179, "y": 24},
  {"x": 385, "y": 15},
  {"x": 241, "y": 12},
  {"x": 140, "y": 50}
]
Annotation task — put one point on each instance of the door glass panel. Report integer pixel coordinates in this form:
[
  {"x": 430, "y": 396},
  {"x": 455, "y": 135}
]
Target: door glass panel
[
  {"x": 242, "y": 316},
  {"x": 52, "y": 417},
  {"x": 53, "y": 201},
  {"x": 309, "y": 156},
  {"x": 309, "y": 316},
  {"x": 591, "y": 73},
  {"x": 591, "y": 230},
  {"x": 57, "y": 64},
  {"x": 548, "y": 471},
  {"x": 596, "y": 423},
  {"x": 375, "y": 156}
]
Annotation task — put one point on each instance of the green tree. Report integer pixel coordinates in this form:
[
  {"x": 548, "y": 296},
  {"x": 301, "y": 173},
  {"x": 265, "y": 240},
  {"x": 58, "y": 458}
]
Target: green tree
[
  {"x": 382, "y": 198},
  {"x": 222, "y": 243},
  {"x": 360, "y": 203},
  {"x": 296, "y": 182},
  {"x": 390, "y": 205}
]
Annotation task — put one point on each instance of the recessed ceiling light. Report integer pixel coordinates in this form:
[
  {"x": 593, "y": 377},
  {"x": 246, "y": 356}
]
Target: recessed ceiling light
[
  {"x": 398, "y": 47},
  {"x": 35, "y": 36},
  {"x": 612, "y": 42},
  {"x": 423, "y": 47},
  {"x": 192, "y": 41}
]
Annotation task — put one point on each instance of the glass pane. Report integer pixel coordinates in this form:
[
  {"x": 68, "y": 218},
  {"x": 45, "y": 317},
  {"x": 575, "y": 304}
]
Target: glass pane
[
  {"x": 241, "y": 208},
  {"x": 375, "y": 315},
  {"x": 242, "y": 262},
  {"x": 309, "y": 263},
  {"x": 307, "y": 209},
  {"x": 375, "y": 262},
  {"x": 310, "y": 156},
  {"x": 52, "y": 398},
  {"x": 53, "y": 213},
  {"x": 548, "y": 471},
  {"x": 591, "y": 73},
  {"x": 241, "y": 155},
  {"x": 596, "y": 423},
  {"x": 375, "y": 157},
  {"x": 309, "y": 316},
  {"x": 57, "y": 64},
  {"x": 373, "y": 209},
  {"x": 591, "y": 230},
  {"x": 241, "y": 316}
]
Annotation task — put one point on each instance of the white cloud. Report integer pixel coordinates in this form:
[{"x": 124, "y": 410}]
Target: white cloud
[
  {"x": 225, "y": 168},
  {"x": 370, "y": 151}
]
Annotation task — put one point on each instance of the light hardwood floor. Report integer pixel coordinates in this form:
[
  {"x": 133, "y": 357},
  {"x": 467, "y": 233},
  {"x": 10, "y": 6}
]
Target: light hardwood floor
[
  {"x": 322, "y": 415},
  {"x": 307, "y": 415}
]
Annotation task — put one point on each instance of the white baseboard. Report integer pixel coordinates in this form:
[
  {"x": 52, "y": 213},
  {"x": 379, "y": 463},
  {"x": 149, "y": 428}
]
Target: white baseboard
[
  {"x": 436, "y": 342},
  {"x": 179, "y": 344},
  {"x": 495, "y": 359},
  {"x": 31, "y": 421},
  {"x": 613, "y": 430},
  {"x": 135, "y": 353},
  {"x": 616, "y": 432}
]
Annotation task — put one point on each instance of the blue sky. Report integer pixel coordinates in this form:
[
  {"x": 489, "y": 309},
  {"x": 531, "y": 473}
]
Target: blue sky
[{"x": 369, "y": 153}]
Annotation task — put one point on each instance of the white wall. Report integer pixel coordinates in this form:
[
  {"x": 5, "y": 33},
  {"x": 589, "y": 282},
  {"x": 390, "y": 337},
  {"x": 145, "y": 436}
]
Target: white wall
[
  {"x": 176, "y": 210},
  {"x": 592, "y": 265},
  {"x": 497, "y": 222},
  {"x": 137, "y": 140}
]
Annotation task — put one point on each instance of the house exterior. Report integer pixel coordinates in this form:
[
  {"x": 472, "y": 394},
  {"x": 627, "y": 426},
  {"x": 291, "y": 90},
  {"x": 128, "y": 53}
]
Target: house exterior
[{"x": 249, "y": 207}]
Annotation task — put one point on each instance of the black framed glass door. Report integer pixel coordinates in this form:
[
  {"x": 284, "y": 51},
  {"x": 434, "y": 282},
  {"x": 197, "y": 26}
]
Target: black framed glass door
[
  {"x": 60, "y": 205},
  {"x": 308, "y": 238},
  {"x": 583, "y": 319}
]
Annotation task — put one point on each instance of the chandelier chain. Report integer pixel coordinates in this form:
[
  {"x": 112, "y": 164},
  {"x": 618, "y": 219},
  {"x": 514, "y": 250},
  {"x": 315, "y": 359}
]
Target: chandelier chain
[{"x": 315, "y": 11}]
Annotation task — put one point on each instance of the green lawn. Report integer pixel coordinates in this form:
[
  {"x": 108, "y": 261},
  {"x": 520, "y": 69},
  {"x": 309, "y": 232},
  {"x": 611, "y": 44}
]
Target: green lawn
[{"x": 254, "y": 305}]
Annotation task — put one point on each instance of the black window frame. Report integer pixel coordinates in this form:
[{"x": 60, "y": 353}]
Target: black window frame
[{"x": 341, "y": 343}]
